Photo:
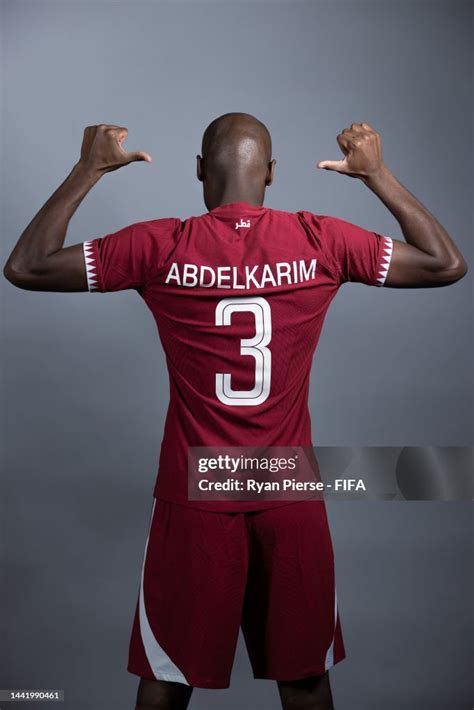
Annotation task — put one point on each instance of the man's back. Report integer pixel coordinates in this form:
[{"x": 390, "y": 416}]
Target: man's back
[{"x": 239, "y": 295}]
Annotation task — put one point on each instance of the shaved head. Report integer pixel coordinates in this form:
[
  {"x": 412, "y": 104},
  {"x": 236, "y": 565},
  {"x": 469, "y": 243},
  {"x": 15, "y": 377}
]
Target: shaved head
[
  {"x": 236, "y": 142},
  {"x": 236, "y": 158}
]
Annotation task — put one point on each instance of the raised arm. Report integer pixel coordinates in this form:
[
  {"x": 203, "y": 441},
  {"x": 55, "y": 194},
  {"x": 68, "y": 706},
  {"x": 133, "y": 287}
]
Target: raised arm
[
  {"x": 39, "y": 261},
  {"x": 429, "y": 257}
]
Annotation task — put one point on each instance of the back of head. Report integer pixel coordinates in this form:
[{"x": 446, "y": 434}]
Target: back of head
[
  {"x": 236, "y": 142},
  {"x": 236, "y": 157}
]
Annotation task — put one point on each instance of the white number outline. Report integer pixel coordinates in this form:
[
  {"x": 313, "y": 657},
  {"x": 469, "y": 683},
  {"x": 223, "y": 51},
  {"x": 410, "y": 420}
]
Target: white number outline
[{"x": 255, "y": 346}]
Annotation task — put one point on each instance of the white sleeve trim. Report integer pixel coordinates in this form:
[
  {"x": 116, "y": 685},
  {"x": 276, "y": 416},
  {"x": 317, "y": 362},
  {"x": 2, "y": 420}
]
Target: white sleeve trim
[
  {"x": 382, "y": 270},
  {"x": 91, "y": 266}
]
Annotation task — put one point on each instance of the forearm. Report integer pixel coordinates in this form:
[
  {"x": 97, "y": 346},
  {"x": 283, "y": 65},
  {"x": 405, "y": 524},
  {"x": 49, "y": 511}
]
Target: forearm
[
  {"x": 419, "y": 227},
  {"x": 46, "y": 232}
]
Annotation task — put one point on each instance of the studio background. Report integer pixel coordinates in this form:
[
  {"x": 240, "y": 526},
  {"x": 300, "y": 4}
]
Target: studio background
[{"x": 84, "y": 381}]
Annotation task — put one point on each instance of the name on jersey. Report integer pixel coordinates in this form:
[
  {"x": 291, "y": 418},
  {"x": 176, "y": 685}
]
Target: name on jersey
[{"x": 258, "y": 276}]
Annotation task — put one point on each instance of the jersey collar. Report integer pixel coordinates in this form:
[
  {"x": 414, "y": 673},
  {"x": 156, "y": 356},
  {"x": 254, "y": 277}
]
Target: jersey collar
[{"x": 237, "y": 208}]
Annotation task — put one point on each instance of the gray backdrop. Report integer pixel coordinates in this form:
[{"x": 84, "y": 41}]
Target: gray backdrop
[{"x": 85, "y": 387}]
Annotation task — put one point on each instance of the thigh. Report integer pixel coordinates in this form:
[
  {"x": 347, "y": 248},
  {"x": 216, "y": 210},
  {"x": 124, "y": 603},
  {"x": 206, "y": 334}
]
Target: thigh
[
  {"x": 162, "y": 695},
  {"x": 190, "y": 600},
  {"x": 312, "y": 693},
  {"x": 291, "y": 621}
]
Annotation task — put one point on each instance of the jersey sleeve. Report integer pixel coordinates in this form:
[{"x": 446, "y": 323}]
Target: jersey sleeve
[
  {"x": 129, "y": 258},
  {"x": 355, "y": 254}
]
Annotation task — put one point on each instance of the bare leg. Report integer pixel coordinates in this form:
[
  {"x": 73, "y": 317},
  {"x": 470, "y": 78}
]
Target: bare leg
[
  {"x": 162, "y": 695},
  {"x": 312, "y": 693}
]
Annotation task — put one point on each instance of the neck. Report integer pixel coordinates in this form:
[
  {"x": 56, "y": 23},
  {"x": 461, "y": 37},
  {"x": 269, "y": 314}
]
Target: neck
[{"x": 222, "y": 194}]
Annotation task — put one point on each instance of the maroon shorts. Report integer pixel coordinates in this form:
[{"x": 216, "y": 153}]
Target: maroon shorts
[{"x": 206, "y": 574}]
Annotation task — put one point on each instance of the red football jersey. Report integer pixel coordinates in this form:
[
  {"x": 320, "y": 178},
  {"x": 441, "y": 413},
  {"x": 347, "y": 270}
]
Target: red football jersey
[{"x": 239, "y": 295}]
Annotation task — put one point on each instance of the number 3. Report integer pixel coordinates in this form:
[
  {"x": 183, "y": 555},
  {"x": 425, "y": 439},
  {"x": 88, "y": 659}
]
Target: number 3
[{"x": 255, "y": 346}]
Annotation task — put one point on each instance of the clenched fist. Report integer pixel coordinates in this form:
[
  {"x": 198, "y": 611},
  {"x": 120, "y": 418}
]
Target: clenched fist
[
  {"x": 102, "y": 149},
  {"x": 362, "y": 151}
]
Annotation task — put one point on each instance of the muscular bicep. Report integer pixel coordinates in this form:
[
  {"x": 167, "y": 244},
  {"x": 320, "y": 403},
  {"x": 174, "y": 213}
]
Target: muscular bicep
[
  {"x": 64, "y": 270},
  {"x": 412, "y": 268}
]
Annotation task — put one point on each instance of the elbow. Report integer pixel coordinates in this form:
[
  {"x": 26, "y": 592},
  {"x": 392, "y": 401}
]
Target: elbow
[
  {"x": 8, "y": 272},
  {"x": 15, "y": 277},
  {"x": 457, "y": 270},
  {"x": 453, "y": 272}
]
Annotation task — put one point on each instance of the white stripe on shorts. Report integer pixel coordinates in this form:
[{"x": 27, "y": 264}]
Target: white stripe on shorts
[
  {"x": 162, "y": 666},
  {"x": 329, "y": 662}
]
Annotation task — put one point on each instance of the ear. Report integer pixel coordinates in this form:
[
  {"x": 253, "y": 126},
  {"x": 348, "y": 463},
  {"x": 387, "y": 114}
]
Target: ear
[
  {"x": 270, "y": 173},
  {"x": 199, "y": 168}
]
